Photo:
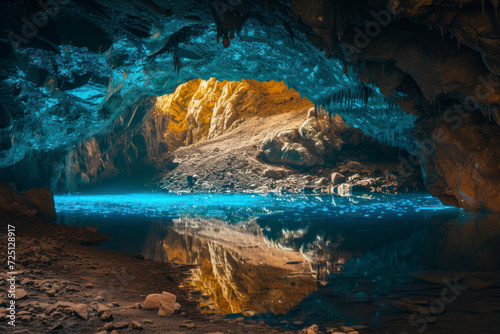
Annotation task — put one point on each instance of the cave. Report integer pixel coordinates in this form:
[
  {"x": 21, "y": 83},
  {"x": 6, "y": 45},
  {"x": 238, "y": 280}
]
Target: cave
[{"x": 254, "y": 166}]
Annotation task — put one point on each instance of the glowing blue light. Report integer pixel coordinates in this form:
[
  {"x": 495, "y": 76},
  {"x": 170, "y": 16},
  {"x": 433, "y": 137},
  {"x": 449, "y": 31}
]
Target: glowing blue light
[{"x": 246, "y": 206}]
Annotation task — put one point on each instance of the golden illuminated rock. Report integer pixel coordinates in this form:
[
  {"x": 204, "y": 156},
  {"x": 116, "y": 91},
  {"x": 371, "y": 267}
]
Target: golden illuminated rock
[
  {"x": 204, "y": 109},
  {"x": 238, "y": 269}
]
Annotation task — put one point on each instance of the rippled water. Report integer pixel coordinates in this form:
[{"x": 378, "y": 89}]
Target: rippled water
[
  {"x": 221, "y": 205},
  {"x": 378, "y": 260}
]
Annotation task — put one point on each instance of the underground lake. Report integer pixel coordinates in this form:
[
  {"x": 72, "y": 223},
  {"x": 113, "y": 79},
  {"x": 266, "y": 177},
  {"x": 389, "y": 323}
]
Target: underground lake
[{"x": 385, "y": 262}]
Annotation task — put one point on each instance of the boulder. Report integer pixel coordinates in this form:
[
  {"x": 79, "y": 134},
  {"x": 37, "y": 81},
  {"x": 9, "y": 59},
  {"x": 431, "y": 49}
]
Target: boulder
[
  {"x": 100, "y": 308},
  {"x": 106, "y": 316},
  {"x": 20, "y": 294},
  {"x": 346, "y": 329},
  {"x": 310, "y": 330},
  {"x": 298, "y": 148},
  {"x": 120, "y": 325},
  {"x": 16, "y": 203},
  {"x": 322, "y": 181},
  {"x": 81, "y": 311},
  {"x": 43, "y": 199},
  {"x": 166, "y": 308},
  {"x": 152, "y": 301}
]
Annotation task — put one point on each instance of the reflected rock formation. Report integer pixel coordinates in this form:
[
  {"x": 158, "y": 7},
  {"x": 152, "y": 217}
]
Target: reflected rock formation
[
  {"x": 236, "y": 268},
  {"x": 331, "y": 272}
]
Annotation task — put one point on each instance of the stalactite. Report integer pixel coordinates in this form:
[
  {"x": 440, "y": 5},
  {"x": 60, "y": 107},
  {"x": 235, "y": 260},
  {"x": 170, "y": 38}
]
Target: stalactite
[
  {"x": 495, "y": 5},
  {"x": 482, "y": 4}
]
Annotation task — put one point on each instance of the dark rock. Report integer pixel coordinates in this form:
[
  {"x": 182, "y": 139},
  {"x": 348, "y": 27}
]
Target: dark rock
[
  {"x": 44, "y": 201},
  {"x": 274, "y": 173},
  {"x": 106, "y": 316},
  {"x": 92, "y": 229},
  {"x": 137, "y": 325},
  {"x": 337, "y": 178},
  {"x": 120, "y": 325},
  {"x": 57, "y": 327}
]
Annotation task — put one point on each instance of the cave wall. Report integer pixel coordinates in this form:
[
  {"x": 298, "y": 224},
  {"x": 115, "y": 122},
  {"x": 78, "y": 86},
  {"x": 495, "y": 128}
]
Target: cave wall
[
  {"x": 123, "y": 155},
  {"x": 442, "y": 56}
]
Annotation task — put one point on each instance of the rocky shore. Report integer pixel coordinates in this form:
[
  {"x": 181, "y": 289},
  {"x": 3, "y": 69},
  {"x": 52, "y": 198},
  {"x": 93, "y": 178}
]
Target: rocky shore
[{"x": 292, "y": 152}]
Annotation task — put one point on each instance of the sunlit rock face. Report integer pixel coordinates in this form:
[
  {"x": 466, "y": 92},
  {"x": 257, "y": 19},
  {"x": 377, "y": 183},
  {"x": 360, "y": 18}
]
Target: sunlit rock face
[
  {"x": 237, "y": 269},
  {"x": 73, "y": 75},
  {"x": 200, "y": 110}
]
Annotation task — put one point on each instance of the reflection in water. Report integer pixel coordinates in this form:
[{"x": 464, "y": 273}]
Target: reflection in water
[
  {"x": 237, "y": 269},
  {"x": 387, "y": 262}
]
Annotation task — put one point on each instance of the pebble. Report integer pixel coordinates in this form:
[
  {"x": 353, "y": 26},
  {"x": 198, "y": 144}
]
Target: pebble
[
  {"x": 99, "y": 299},
  {"x": 106, "y": 316},
  {"x": 109, "y": 326},
  {"x": 56, "y": 327},
  {"x": 346, "y": 329},
  {"x": 137, "y": 325},
  {"x": 20, "y": 294},
  {"x": 359, "y": 327},
  {"x": 188, "y": 325},
  {"x": 147, "y": 321},
  {"x": 89, "y": 286},
  {"x": 121, "y": 325}
]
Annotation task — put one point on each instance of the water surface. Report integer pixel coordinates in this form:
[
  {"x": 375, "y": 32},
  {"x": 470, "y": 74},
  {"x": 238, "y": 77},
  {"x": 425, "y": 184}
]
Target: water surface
[{"x": 378, "y": 260}]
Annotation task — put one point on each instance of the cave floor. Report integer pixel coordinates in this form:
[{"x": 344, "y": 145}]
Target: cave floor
[{"x": 60, "y": 258}]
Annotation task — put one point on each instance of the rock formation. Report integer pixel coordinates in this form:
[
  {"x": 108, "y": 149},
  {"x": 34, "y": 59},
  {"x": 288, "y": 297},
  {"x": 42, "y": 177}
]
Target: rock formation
[
  {"x": 272, "y": 140},
  {"x": 34, "y": 203},
  {"x": 237, "y": 270}
]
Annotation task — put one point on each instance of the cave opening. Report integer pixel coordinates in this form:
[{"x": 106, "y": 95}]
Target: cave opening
[{"x": 303, "y": 166}]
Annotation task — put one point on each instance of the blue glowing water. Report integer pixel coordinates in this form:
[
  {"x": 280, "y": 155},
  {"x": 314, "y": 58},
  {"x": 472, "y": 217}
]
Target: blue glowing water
[
  {"x": 366, "y": 252},
  {"x": 129, "y": 217},
  {"x": 221, "y": 205}
]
